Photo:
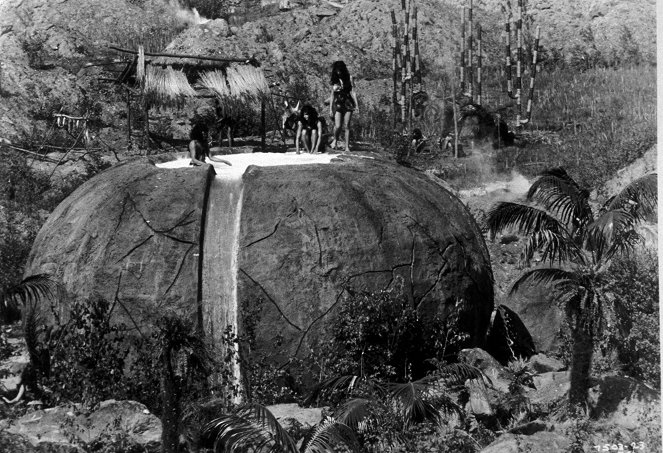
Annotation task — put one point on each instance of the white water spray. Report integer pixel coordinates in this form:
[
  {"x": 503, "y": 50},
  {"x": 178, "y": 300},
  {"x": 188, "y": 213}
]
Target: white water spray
[{"x": 185, "y": 15}]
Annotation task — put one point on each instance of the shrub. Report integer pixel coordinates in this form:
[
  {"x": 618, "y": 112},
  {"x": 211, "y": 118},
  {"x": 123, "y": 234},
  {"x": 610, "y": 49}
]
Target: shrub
[
  {"x": 380, "y": 335},
  {"x": 634, "y": 284}
]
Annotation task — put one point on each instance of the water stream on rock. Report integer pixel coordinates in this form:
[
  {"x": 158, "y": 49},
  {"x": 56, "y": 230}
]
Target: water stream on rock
[{"x": 221, "y": 239}]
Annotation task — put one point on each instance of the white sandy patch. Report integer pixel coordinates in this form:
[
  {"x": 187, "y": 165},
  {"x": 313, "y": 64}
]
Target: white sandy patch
[{"x": 240, "y": 162}]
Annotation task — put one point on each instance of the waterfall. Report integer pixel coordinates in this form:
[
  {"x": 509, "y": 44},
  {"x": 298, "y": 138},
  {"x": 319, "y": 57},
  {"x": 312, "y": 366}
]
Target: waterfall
[
  {"x": 220, "y": 253},
  {"x": 219, "y": 267}
]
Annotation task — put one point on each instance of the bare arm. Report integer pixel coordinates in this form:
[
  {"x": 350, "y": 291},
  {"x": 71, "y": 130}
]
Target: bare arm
[
  {"x": 331, "y": 103},
  {"x": 299, "y": 134},
  {"x": 223, "y": 161},
  {"x": 192, "y": 153},
  {"x": 316, "y": 145}
]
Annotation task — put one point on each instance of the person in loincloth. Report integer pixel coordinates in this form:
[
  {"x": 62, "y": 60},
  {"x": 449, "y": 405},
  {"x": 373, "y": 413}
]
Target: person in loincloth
[
  {"x": 343, "y": 102},
  {"x": 199, "y": 146},
  {"x": 309, "y": 129}
]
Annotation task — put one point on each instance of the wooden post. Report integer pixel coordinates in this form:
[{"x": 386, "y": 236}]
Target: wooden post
[
  {"x": 262, "y": 123},
  {"x": 129, "y": 142}
]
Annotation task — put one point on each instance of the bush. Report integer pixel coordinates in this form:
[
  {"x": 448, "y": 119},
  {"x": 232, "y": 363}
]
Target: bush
[
  {"x": 107, "y": 360},
  {"x": 380, "y": 335},
  {"x": 634, "y": 286}
]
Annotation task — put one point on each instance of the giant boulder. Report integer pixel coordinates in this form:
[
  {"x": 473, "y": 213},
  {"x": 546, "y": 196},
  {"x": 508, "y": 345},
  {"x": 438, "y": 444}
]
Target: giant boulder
[{"x": 152, "y": 240}]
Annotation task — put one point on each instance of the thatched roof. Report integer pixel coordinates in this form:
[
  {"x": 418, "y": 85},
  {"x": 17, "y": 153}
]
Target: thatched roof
[{"x": 168, "y": 79}]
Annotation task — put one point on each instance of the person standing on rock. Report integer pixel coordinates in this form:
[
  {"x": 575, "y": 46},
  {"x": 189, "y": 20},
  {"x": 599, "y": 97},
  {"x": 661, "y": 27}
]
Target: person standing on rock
[
  {"x": 199, "y": 147},
  {"x": 309, "y": 129},
  {"x": 343, "y": 102}
]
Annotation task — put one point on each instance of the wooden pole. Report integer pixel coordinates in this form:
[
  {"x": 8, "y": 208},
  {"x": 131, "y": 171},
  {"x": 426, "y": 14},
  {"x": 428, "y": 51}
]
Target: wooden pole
[
  {"x": 179, "y": 55},
  {"x": 263, "y": 132},
  {"x": 129, "y": 142}
]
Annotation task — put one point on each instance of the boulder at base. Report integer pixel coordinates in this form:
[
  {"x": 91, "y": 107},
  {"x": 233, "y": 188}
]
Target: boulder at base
[{"x": 307, "y": 234}]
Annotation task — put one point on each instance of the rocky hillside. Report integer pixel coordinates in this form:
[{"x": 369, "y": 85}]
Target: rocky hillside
[{"x": 45, "y": 44}]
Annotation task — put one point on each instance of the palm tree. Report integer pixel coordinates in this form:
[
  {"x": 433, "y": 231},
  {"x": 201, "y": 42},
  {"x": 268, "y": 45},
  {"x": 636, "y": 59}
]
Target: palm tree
[
  {"x": 15, "y": 300},
  {"x": 576, "y": 248},
  {"x": 177, "y": 336},
  {"x": 21, "y": 301},
  {"x": 253, "y": 427}
]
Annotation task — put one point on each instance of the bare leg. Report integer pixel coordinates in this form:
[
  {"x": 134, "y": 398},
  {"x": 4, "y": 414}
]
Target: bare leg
[
  {"x": 305, "y": 139},
  {"x": 346, "y": 127},
  {"x": 337, "y": 128}
]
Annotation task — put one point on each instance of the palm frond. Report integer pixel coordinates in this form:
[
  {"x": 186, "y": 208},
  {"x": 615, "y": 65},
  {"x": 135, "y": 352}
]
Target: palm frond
[
  {"x": 566, "y": 282},
  {"x": 640, "y": 197},
  {"x": 353, "y": 412},
  {"x": 608, "y": 230},
  {"x": 458, "y": 373},
  {"x": 527, "y": 218},
  {"x": 346, "y": 383},
  {"x": 554, "y": 245},
  {"x": 559, "y": 193},
  {"x": 412, "y": 402},
  {"x": 326, "y": 437},
  {"x": 29, "y": 292},
  {"x": 251, "y": 425}
]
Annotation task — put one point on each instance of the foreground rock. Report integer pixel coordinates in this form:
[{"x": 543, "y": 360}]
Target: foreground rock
[
  {"x": 125, "y": 424},
  {"x": 307, "y": 236}
]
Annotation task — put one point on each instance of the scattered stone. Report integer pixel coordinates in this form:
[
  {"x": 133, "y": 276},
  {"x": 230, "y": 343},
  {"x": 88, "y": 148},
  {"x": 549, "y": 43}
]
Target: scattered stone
[
  {"x": 306, "y": 416},
  {"x": 65, "y": 428},
  {"x": 541, "y": 363},
  {"x": 539, "y": 442}
]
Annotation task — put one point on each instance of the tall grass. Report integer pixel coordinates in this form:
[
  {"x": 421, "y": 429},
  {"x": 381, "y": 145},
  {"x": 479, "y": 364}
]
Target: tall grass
[{"x": 604, "y": 118}]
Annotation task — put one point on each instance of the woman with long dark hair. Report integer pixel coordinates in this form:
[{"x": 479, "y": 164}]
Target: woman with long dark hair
[
  {"x": 199, "y": 146},
  {"x": 343, "y": 102},
  {"x": 309, "y": 129}
]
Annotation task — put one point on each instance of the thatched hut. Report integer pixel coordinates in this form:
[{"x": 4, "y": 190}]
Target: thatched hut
[{"x": 158, "y": 80}]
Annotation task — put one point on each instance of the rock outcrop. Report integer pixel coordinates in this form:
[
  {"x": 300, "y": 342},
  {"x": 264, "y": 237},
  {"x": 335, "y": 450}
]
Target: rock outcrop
[{"x": 307, "y": 235}]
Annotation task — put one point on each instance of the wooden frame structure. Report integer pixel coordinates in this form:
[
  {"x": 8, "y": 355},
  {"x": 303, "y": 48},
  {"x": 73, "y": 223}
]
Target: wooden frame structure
[{"x": 168, "y": 79}]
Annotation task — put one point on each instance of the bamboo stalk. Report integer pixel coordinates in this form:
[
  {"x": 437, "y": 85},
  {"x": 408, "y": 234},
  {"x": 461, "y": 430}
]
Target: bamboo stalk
[
  {"x": 394, "y": 66},
  {"x": 404, "y": 60},
  {"x": 519, "y": 79},
  {"x": 417, "y": 58},
  {"x": 408, "y": 64},
  {"x": 462, "y": 51},
  {"x": 470, "y": 57},
  {"x": 507, "y": 49},
  {"x": 535, "y": 58},
  {"x": 479, "y": 62}
]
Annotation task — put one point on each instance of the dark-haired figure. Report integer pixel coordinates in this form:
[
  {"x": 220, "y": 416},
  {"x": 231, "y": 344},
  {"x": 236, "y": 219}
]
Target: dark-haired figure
[
  {"x": 309, "y": 129},
  {"x": 199, "y": 147},
  {"x": 343, "y": 102}
]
